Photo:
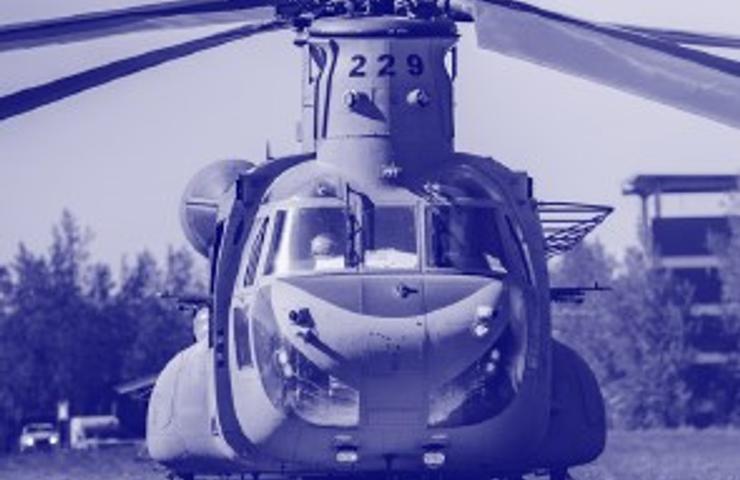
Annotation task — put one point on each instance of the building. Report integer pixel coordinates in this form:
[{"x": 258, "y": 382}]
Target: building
[{"x": 682, "y": 218}]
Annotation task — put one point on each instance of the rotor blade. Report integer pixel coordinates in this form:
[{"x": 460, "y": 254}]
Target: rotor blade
[
  {"x": 691, "y": 80},
  {"x": 32, "y": 98},
  {"x": 687, "y": 38},
  {"x": 176, "y": 13}
]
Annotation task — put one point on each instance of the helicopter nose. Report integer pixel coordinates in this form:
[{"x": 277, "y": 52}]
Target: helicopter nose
[
  {"x": 343, "y": 363},
  {"x": 361, "y": 329},
  {"x": 346, "y": 331}
]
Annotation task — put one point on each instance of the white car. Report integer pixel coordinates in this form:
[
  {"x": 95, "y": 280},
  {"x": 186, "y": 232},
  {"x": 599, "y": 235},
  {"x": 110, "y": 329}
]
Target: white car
[{"x": 38, "y": 435}]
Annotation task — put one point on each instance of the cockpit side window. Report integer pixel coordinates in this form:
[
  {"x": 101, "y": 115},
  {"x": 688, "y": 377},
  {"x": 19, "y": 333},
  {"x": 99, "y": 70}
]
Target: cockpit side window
[
  {"x": 277, "y": 234},
  {"x": 254, "y": 250},
  {"x": 464, "y": 237}
]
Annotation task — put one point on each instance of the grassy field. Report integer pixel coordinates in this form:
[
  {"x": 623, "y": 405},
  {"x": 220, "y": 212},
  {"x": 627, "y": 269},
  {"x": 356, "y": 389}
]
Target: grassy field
[
  {"x": 120, "y": 463},
  {"x": 652, "y": 455},
  {"x": 667, "y": 455}
]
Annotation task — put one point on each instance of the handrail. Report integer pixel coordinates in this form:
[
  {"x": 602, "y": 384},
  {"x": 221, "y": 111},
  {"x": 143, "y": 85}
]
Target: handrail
[{"x": 565, "y": 224}]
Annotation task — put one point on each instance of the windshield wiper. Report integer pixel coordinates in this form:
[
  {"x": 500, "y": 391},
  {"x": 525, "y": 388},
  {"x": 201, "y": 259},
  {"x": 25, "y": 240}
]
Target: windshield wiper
[{"x": 354, "y": 227}]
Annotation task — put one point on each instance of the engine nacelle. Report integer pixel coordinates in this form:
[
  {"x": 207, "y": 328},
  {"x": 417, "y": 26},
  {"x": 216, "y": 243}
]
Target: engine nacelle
[{"x": 200, "y": 201}]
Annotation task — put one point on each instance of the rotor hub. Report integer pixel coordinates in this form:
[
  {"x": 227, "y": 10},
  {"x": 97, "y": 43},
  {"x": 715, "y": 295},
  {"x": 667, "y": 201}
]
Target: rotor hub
[{"x": 383, "y": 27}]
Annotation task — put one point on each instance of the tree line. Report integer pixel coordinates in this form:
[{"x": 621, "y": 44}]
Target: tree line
[
  {"x": 640, "y": 337},
  {"x": 69, "y": 330}
]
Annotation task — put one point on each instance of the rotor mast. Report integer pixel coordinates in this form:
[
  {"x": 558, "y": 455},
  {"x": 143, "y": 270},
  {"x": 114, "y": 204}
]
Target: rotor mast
[{"x": 377, "y": 94}]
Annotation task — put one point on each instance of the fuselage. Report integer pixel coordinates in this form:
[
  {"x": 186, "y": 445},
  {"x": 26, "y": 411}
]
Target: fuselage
[
  {"x": 422, "y": 327},
  {"x": 381, "y": 301}
]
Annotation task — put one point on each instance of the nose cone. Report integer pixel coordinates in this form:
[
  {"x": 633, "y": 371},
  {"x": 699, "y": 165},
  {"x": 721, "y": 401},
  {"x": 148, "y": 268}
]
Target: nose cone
[
  {"x": 383, "y": 326},
  {"x": 387, "y": 344},
  {"x": 354, "y": 328}
]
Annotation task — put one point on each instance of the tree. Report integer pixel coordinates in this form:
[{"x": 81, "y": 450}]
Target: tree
[
  {"x": 8, "y": 403},
  {"x": 181, "y": 274},
  {"x": 57, "y": 340},
  {"x": 66, "y": 332},
  {"x": 727, "y": 249},
  {"x": 99, "y": 285},
  {"x": 652, "y": 310},
  {"x": 591, "y": 328},
  {"x": 161, "y": 330},
  {"x": 6, "y": 292},
  {"x": 26, "y": 389},
  {"x": 633, "y": 336}
]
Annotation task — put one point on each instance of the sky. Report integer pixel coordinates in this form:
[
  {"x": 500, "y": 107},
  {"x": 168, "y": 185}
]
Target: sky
[{"x": 119, "y": 156}]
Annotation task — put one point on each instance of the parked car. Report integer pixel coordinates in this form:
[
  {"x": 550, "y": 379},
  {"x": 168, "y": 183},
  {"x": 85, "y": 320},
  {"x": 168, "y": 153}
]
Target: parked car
[
  {"x": 95, "y": 431},
  {"x": 38, "y": 435}
]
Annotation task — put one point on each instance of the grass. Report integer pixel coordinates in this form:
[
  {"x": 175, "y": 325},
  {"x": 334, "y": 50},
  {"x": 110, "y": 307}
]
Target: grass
[
  {"x": 649, "y": 455},
  {"x": 119, "y": 463},
  {"x": 667, "y": 455}
]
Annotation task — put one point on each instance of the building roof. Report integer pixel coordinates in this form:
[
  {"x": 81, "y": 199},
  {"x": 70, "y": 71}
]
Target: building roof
[{"x": 646, "y": 185}]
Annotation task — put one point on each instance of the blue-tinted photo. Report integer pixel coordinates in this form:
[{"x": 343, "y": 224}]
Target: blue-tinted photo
[{"x": 369, "y": 239}]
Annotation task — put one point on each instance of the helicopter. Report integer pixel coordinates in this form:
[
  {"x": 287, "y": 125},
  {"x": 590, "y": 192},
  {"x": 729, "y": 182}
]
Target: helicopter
[{"x": 379, "y": 303}]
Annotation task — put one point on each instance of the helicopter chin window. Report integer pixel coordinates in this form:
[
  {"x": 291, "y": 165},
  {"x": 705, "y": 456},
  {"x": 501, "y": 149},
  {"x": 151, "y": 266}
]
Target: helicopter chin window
[
  {"x": 464, "y": 238},
  {"x": 318, "y": 397},
  {"x": 483, "y": 390},
  {"x": 295, "y": 384}
]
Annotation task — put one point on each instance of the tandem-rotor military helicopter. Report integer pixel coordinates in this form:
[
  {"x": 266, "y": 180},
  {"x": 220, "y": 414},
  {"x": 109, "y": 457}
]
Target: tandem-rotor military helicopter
[{"x": 379, "y": 303}]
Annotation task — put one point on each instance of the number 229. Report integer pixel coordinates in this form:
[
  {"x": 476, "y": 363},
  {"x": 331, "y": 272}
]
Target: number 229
[{"x": 386, "y": 65}]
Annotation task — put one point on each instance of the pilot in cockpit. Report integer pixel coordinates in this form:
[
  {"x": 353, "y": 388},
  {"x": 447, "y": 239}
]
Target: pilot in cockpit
[
  {"x": 466, "y": 238},
  {"x": 326, "y": 253}
]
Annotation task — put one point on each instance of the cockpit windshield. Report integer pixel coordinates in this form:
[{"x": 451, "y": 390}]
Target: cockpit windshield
[
  {"x": 326, "y": 238},
  {"x": 309, "y": 239},
  {"x": 464, "y": 237},
  {"x": 390, "y": 238}
]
